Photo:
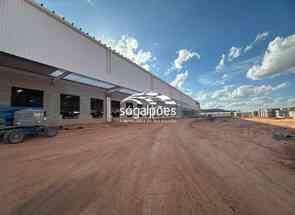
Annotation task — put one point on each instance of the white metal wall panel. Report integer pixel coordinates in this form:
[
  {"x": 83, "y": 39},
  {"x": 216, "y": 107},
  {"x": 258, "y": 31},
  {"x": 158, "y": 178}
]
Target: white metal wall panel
[
  {"x": 176, "y": 94},
  {"x": 127, "y": 74},
  {"x": 31, "y": 33},
  {"x": 161, "y": 87}
]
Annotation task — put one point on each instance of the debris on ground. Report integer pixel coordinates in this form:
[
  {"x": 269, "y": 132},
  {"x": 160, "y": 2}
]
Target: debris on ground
[
  {"x": 284, "y": 135},
  {"x": 73, "y": 127}
]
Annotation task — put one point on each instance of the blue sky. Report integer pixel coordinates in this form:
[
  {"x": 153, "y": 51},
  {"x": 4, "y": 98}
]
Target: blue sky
[{"x": 183, "y": 42}]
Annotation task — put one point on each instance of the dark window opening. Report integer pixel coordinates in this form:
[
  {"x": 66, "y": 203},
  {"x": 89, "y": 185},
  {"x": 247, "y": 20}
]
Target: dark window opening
[
  {"x": 96, "y": 108},
  {"x": 115, "y": 107},
  {"x": 21, "y": 97},
  {"x": 69, "y": 106},
  {"x": 129, "y": 105}
]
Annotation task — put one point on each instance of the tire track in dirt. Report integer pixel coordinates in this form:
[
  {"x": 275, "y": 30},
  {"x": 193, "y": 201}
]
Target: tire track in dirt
[
  {"x": 256, "y": 195},
  {"x": 167, "y": 169},
  {"x": 84, "y": 179},
  {"x": 72, "y": 166}
]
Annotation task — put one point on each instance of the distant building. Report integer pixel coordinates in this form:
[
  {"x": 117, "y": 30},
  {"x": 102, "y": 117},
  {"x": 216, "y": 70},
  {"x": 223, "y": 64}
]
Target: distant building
[
  {"x": 282, "y": 113},
  {"x": 216, "y": 113},
  {"x": 255, "y": 113},
  {"x": 246, "y": 114},
  {"x": 275, "y": 113},
  {"x": 292, "y": 112}
]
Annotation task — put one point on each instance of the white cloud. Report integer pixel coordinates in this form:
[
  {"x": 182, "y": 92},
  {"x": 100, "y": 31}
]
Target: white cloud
[
  {"x": 278, "y": 58},
  {"x": 238, "y": 67},
  {"x": 183, "y": 56},
  {"x": 259, "y": 37},
  {"x": 187, "y": 91},
  {"x": 251, "y": 90},
  {"x": 213, "y": 80},
  {"x": 247, "y": 90},
  {"x": 91, "y": 2},
  {"x": 224, "y": 93},
  {"x": 251, "y": 104},
  {"x": 179, "y": 80},
  {"x": 203, "y": 96},
  {"x": 129, "y": 48},
  {"x": 248, "y": 48},
  {"x": 234, "y": 52},
  {"x": 221, "y": 63},
  {"x": 204, "y": 81},
  {"x": 224, "y": 76},
  {"x": 229, "y": 72},
  {"x": 244, "y": 97},
  {"x": 291, "y": 101},
  {"x": 222, "y": 80}
]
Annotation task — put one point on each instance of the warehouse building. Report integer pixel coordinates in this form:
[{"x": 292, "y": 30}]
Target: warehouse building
[{"x": 45, "y": 61}]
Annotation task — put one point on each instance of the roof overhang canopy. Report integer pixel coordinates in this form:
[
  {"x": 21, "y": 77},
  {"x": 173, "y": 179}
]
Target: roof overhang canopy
[{"x": 25, "y": 65}]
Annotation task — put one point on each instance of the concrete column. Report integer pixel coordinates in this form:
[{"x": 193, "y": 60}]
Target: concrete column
[
  {"x": 85, "y": 108},
  {"x": 107, "y": 108},
  {"x": 52, "y": 106},
  {"x": 5, "y": 91}
]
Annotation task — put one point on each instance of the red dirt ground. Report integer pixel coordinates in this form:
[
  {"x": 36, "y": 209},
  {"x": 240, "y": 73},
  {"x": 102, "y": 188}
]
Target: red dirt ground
[
  {"x": 188, "y": 167},
  {"x": 290, "y": 123}
]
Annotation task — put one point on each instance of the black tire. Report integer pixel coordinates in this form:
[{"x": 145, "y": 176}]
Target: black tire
[
  {"x": 51, "y": 131},
  {"x": 14, "y": 136}
]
